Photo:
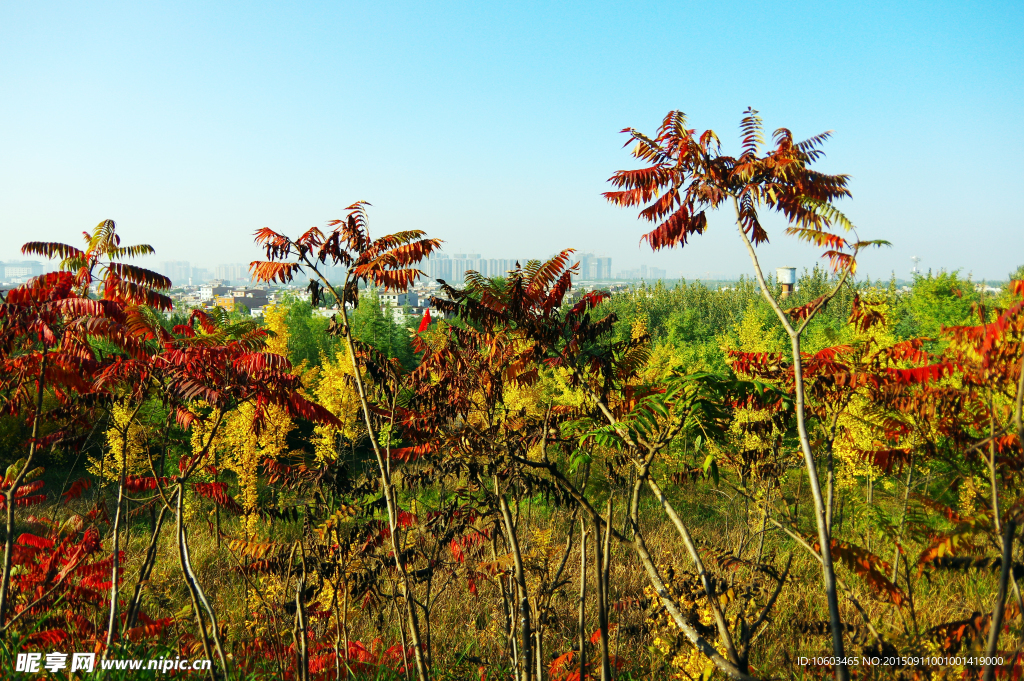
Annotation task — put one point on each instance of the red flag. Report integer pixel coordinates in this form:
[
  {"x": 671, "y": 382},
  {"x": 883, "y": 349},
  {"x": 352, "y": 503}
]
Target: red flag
[{"x": 425, "y": 322}]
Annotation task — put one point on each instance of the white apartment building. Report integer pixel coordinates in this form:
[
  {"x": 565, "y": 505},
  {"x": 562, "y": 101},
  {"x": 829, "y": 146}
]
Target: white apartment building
[
  {"x": 394, "y": 299},
  {"x": 210, "y": 291}
]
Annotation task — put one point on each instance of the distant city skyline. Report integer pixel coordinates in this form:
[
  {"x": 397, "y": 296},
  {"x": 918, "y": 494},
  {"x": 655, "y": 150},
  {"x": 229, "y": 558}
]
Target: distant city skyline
[
  {"x": 180, "y": 272},
  {"x": 451, "y": 268},
  {"x": 237, "y": 271}
]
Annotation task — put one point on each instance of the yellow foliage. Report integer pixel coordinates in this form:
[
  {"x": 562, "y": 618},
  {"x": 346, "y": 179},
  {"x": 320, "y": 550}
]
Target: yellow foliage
[
  {"x": 126, "y": 436},
  {"x": 522, "y": 400},
  {"x": 242, "y": 450},
  {"x": 335, "y": 391},
  {"x": 242, "y": 456},
  {"x": 274, "y": 321},
  {"x": 758, "y": 331},
  {"x": 202, "y": 437},
  {"x": 857, "y": 424},
  {"x": 563, "y": 393},
  {"x": 639, "y": 327},
  {"x": 686, "y": 661},
  {"x": 543, "y": 547},
  {"x": 969, "y": 491},
  {"x": 240, "y": 447},
  {"x": 665, "y": 360}
]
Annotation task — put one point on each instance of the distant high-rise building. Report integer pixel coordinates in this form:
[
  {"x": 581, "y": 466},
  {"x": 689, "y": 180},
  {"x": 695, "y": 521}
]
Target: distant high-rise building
[
  {"x": 593, "y": 268},
  {"x": 500, "y": 267},
  {"x": 178, "y": 271},
  {"x": 452, "y": 269},
  {"x": 182, "y": 272},
  {"x": 236, "y": 273},
  {"x": 473, "y": 262},
  {"x": 439, "y": 266},
  {"x": 199, "y": 275},
  {"x": 21, "y": 270},
  {"x": 644, "y": 272},
  {"x": 458, "y": 268},
  {"x": 334, "y": 274}
]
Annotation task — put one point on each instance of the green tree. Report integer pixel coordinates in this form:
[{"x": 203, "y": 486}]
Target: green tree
[
  {"x": 378, "y": 328},
  {"x": 308, "y": 340},
  {"x": 935, "y": 301}
]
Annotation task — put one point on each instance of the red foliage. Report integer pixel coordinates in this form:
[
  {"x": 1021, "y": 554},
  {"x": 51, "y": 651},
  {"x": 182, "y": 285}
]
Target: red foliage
[
  {"x": 217, "y": 492},
  {"x": 387, "y": 262},
  {"x": 78, "y": 487},
  {"x": 687, "y": 175},
  {"x": 144, "y": 483}
]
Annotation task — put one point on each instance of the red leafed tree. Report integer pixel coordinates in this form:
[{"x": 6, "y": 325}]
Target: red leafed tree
[
  {"x": 513, "y": 330},
  {"x": 47, "y": 325},
  {"x": 388, "y": 261},
  {"x": 206, "y": 369},
  {"x": 965, "y": 405},
  {"x": 686, "y": 175}
]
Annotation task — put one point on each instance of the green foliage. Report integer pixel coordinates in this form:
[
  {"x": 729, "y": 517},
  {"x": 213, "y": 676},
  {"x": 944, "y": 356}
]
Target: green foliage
[
  {"x": 1005, "y": 298},
  {"x": 307, "y": 333},
  {"x": 379, "y": 329},
  {"x": 12, "y": 433},
  {"x": 936, "y": 300},
  {"x": 695, "y": 321},
  {"x": 308, "y": 339}
]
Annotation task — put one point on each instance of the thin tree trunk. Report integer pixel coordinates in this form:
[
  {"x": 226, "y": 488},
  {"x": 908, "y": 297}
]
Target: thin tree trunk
[
  {"x": 764, "y": 523},
  {"x": 147, "y": 567},
  {"x": 643, "y": 553},
  {"x": 401, "y": 635},
  {"x": 512, "y": 592},
  {"x": 506, "y": 609},
  {"x": 997, "y": 611},
  {"x": 115, "y": 569},
  {"x": 337, "y": 634},
  {"x": 824, "y": 535},
  {"x": 603, "y": 553},
  {"x": 179, "y": 540},
  {"x": 842, "y": 673},
  {"x": 831, "y": 490},
  {"x": 5, "y": 581},
  {"x": 345, "y": 622},
  {"x": 422, "y": 671},
  {"x": 193, "y": 583},
  {"x": 993, "y": 479},
  {"x": 216, "y": 507},
  {"x": 583, "y": 601},
  {"x": 538, "y": 635},
  {"x": 691, "y": 548},
  {"x": 871, "y": 504},
  {"x": 525, "y": 630},
  {"x": 903, "y": 518}
]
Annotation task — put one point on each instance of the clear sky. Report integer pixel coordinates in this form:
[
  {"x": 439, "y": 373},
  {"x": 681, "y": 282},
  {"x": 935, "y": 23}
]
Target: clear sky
[{"x": 494, "y": 126}]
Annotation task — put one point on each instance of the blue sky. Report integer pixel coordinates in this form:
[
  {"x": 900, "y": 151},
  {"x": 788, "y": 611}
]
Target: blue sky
[{"x": 495, "y": 126}]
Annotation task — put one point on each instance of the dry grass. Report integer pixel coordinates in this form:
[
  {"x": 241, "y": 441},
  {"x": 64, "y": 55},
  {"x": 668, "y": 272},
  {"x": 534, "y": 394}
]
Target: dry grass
[{"x": 467, "y": 631}]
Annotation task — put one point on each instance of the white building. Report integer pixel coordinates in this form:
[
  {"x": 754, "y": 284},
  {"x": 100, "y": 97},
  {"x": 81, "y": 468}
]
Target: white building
[
  {"x": 212, "y": 290},
  {"x": 394, "y": 299},
  {"x": 21, "y": 271}
]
